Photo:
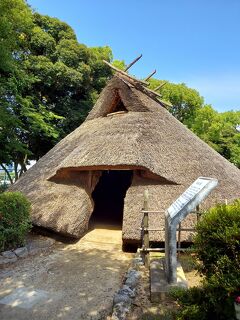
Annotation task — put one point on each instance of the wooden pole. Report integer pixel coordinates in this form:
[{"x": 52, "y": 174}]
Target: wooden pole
[
  {"x": 125, "y": 73},
  {"x": 133, "y": 62},
  {"x": 160, "y": 86},
  {"x": 150, "y": 75},
  {"x": 145, "y": 230}
]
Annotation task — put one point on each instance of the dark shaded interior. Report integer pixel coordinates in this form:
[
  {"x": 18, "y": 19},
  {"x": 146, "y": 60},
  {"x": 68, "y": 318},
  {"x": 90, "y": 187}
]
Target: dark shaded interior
[
  {"x": 119, "y": 106},
  {"x": 108, "y": 197}
]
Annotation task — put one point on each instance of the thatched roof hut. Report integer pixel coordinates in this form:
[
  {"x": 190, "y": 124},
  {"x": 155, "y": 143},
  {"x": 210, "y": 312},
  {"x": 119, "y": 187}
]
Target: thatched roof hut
[{"x": 129, "y": 142}]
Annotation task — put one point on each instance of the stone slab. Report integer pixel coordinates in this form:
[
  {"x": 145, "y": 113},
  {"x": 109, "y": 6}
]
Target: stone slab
[
  {"x": 25, "y": 298},
  {"x": 8, "y": 254},
  {"x": 21, "y": 252},
  {"x": 159, "y": 286},
  {"x": 4, "y": 261}
]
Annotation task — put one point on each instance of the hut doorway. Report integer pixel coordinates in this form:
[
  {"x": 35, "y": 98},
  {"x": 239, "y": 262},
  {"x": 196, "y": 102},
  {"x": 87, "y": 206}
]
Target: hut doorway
[{"x": 108, "y": 197}]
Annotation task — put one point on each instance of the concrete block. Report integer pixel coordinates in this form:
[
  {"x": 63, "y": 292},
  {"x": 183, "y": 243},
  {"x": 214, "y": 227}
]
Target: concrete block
[{"x": 159, "y": 285}]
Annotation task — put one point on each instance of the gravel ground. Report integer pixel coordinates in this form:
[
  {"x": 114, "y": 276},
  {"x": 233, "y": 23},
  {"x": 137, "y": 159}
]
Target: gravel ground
[{"x": 71, "y": 281}]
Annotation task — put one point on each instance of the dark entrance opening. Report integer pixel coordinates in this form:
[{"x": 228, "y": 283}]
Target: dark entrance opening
[{"x": 108, "y": 197}]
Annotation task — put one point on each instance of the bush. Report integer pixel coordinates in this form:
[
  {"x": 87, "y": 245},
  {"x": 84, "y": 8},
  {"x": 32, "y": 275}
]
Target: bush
[
  {"x": 193, "y": 303},
  {"x": 3, "y": 187},
  {"x": 218, "y": 237},
  {"x": 204, "y": 303},
  {"x": 217, "y": 245},
  {"x": 14, "y": 219}
]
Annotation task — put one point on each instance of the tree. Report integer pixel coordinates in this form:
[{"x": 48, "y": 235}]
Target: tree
[
  {"x": 220, "y": 131},
  {"x": 54, "y": 83},
  {"x": 15, "y": 24},
  {"x": 185, "y": 101},
  {"x": 68, "y": 77}
]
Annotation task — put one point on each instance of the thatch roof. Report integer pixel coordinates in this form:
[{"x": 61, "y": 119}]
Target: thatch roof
[{"x": 143, "y": 136}]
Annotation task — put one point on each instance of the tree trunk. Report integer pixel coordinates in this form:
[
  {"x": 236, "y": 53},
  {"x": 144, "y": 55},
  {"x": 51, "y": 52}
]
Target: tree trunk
[
  {"x": 8, "y": 174},
  {"x": 23, "y": 166},
  {"x": 15, "y": 170}
]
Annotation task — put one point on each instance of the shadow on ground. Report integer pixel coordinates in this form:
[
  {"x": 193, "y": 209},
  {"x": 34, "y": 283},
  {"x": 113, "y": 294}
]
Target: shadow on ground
[{"x": 76, "y": 281}]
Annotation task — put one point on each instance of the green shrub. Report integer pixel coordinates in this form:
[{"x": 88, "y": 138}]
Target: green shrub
[
  {"x": 218, "y": 237},
  {"x": 203, "y": 303},
  {"x": 3, "y": 187},
  {"x": 14, "y": 219},
  {"x": 217, "y": 246}
]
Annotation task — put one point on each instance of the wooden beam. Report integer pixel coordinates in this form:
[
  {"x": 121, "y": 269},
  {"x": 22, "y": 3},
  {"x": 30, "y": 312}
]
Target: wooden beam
[
  {"x": 152, "y": 91},
  {"x": 150, "y": 75},
  {"x": 125, "y": 73},
  {"x": 160, "y": 86},
  {"x": 163, "y": 249},
  {"x": 168, "y": 104},
  {"x": 133, "y": 62}
]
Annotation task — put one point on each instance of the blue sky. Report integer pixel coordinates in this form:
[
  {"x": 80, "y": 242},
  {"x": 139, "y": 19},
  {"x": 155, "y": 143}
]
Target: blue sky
[{"x": 190, "y": 41}]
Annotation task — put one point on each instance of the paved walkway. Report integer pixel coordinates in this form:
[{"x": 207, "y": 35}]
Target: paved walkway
[{"x": 75, "y": 281}]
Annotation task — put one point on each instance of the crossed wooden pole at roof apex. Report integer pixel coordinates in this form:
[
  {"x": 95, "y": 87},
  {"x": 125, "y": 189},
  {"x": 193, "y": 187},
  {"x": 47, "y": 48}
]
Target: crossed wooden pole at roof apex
[{"x": 144, "y": 82}]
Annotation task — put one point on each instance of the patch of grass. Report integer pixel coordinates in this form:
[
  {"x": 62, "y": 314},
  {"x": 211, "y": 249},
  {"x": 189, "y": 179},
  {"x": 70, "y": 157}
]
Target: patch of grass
[
  {"x": 188, "y": 261},
  {"x": 159, "y": 313}
]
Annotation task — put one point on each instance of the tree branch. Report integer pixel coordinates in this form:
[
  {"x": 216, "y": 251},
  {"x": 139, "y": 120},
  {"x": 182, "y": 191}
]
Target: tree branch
[{"x": 8, "y": 174}]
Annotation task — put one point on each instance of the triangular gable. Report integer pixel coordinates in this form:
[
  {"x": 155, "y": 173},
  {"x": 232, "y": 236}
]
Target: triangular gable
[{"x": 117, "y": 96}]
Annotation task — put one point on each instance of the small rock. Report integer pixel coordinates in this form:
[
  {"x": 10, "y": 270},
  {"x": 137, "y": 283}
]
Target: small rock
[
  {"x": 127, "y": 291},
  {"x": 21, "y": 252},
  {"x": 8, "y": 254},
  {"x": 132, "y": 278},
  {"x": 122, "y": 298},
  {"x": 137, "y": 262},
  {"x": 4, "y": 261},
  {"x": 120, "y": 311}
]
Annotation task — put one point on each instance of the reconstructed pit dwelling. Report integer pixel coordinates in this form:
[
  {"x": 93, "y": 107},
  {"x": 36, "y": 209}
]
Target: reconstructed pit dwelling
[{"x": 128, "y": 143}]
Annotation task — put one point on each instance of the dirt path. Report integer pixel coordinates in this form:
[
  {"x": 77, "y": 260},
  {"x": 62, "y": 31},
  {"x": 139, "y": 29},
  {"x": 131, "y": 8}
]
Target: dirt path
[{"x": 75, "y": 281}]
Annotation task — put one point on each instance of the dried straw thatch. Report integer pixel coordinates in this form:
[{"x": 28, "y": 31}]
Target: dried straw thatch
[{"x": 127, "y": 129}]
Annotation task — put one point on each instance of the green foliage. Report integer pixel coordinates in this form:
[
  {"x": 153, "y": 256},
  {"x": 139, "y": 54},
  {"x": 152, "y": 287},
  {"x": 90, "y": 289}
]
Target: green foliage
[
  {"x": 14, "y": 219},
  {"x": 219, "y": 130},
  {"x": 48, "y": 82},
  {"x": 3, "y": 187},
  {"x": 185, "y": 101},
  {"x": 203, "y": 303},
  {"x": 217, "y": 245},
  {"x": 15, "y": 22},
  {"x": 193, "y": 302},
  {"x": 218, "y": 239},
  {"x": 120, "y": 64}
]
